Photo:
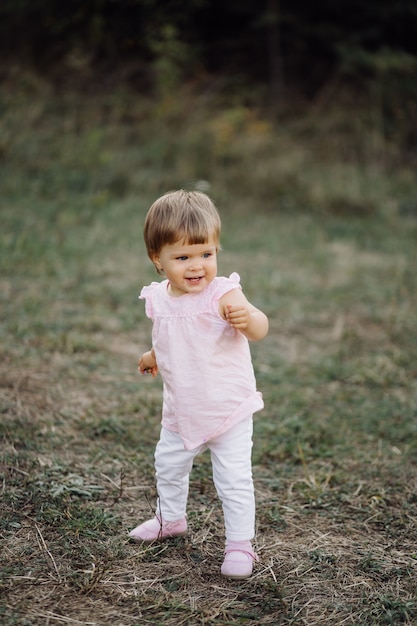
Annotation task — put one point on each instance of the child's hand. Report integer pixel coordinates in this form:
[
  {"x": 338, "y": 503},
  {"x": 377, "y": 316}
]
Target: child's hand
[
  {"x": 242, "y": 315},
  {"x": 237, "y": 316},
  {"x": 147, "y": 364}
]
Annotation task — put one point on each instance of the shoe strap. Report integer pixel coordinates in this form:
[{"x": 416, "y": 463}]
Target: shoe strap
[{"x": 236, "y": 546}]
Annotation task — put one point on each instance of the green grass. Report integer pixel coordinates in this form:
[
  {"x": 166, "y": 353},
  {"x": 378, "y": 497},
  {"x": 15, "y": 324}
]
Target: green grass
[{"x": 321, "y": 225}]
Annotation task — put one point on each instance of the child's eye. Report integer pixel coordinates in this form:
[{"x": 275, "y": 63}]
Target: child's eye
[
  {"x": 206, "y": 255},
  {"x": 182, "y": 258}
]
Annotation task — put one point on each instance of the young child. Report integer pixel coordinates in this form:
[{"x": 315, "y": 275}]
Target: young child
[{"x": 201, "y": 327}]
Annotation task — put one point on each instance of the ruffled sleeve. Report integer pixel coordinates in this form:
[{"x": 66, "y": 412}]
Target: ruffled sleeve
[
  {"x": 147, "y": 295},
  {"x": 224, "y": 285},
  {"x": 235, "y": 279}
]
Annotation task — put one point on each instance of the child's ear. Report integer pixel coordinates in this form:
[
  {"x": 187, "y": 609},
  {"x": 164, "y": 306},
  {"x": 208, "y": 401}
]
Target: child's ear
[{"x": 157, "y": 262}]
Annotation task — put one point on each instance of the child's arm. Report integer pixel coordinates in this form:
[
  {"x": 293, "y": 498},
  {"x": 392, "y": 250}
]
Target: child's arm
[
  {"x": 242, "y": 315},
  {"x": 147, "y": 363}
]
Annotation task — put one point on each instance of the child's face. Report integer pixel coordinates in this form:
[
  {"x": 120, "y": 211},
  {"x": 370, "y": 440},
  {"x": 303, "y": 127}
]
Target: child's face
[{"x": 188, "y": 267}]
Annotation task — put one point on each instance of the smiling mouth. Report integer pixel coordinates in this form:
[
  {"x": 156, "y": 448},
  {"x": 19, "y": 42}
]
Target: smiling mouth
[{"x": 194, "y": 279}]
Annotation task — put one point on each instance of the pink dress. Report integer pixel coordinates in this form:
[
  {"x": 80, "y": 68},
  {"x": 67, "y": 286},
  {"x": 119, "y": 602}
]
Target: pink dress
[{"x": 205, "y": 364}]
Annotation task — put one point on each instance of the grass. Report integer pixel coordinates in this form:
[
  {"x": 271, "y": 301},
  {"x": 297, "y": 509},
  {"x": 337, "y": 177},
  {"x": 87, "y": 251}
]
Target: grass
[{"x": 321, "y": 225}]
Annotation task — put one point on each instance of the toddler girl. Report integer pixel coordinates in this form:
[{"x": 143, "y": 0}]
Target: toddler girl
[{"x": 201, "y": 327}]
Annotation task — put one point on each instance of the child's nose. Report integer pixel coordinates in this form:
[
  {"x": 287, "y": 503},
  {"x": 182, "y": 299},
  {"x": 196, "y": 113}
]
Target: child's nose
[{"x": 195, "y": 264}]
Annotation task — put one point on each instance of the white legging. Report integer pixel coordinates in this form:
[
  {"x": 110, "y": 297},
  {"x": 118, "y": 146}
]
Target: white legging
[{"x": 232, "y": 475}]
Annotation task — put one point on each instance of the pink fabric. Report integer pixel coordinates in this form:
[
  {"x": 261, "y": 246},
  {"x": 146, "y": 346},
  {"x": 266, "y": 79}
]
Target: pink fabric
[{"x": 205, "y": 364}]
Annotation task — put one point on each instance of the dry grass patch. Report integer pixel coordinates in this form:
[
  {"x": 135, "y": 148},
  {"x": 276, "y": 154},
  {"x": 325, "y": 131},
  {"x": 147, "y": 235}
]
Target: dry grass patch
[{"x": 329, "y": 553}]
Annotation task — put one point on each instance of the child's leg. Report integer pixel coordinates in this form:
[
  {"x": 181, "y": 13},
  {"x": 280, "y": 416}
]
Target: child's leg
[
  {"x": 232, "y": 474},
  {"x": 173, "y": 465}
]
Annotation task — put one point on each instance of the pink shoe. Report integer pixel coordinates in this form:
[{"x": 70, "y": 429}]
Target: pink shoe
[
  {"x": 238, "y": 560},
  {"x": 155, "y": 530}
]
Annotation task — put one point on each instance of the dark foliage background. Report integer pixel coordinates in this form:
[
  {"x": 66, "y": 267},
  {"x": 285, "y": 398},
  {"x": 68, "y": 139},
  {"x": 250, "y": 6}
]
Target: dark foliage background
[{"x": 294, "y": 44}]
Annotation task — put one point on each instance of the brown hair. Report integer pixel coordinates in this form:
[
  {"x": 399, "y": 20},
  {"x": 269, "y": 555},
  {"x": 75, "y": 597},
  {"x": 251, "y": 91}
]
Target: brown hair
[{"x": 188, "y": 216}]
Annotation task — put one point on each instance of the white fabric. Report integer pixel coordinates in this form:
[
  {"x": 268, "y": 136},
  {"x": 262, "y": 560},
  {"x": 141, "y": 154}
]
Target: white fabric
[{"x": 232, "y": 476}]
